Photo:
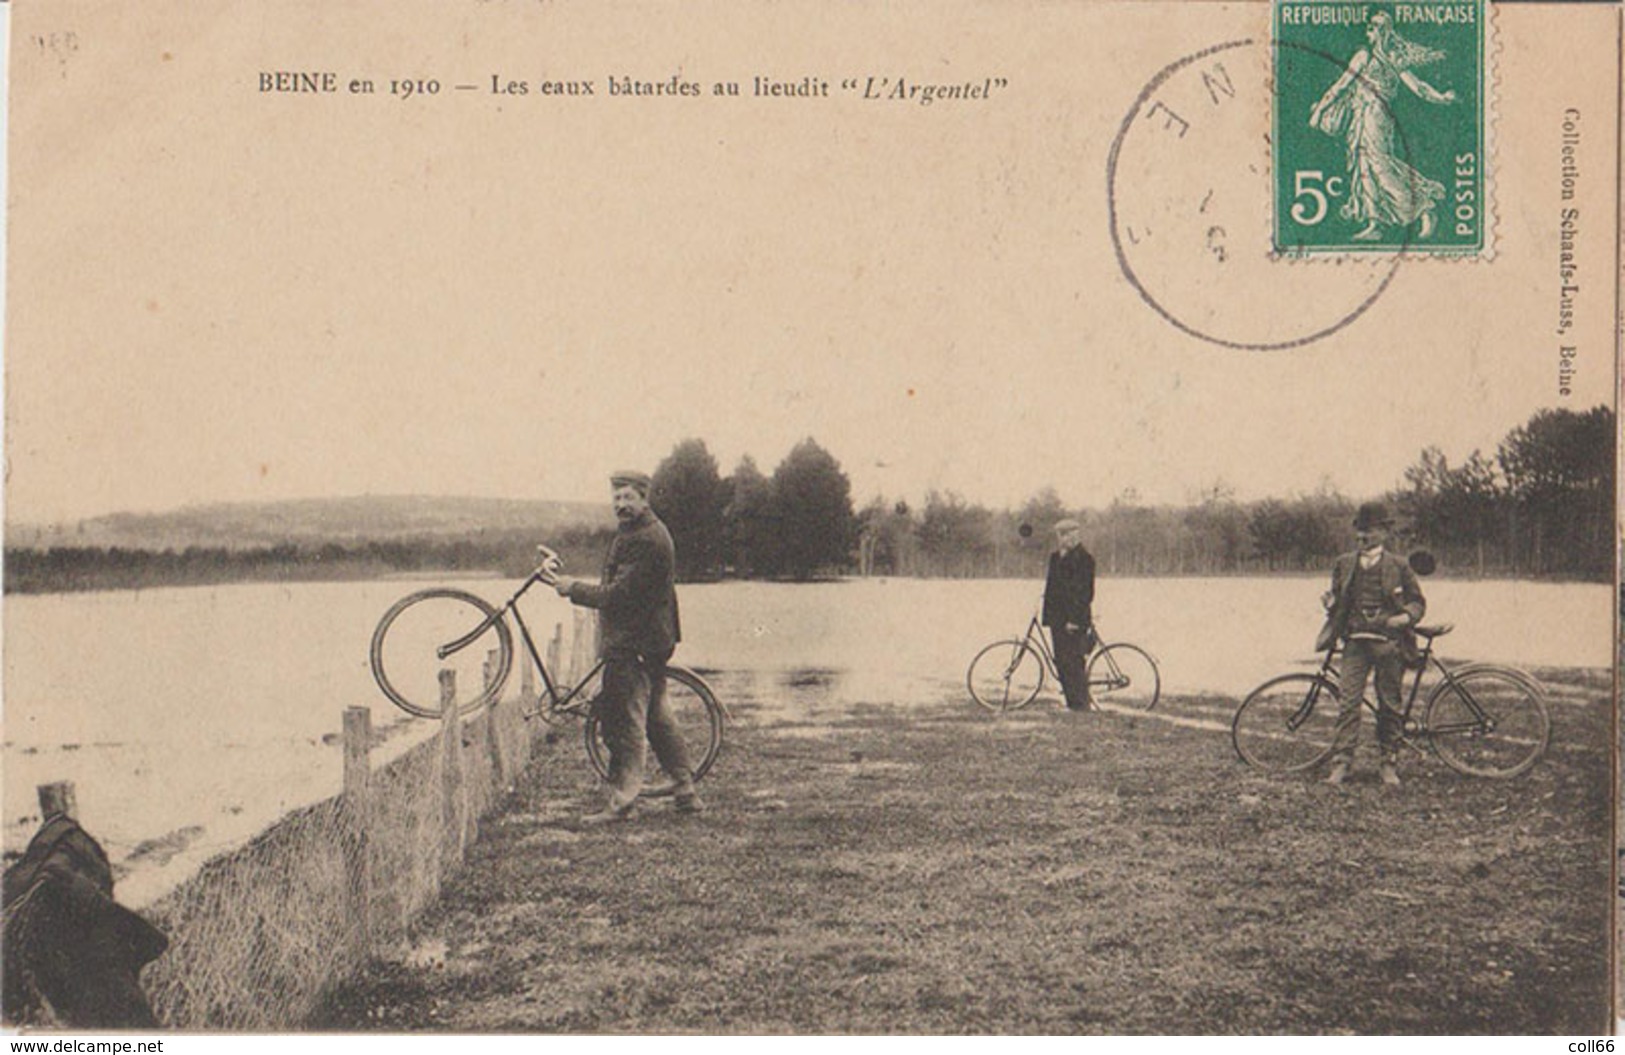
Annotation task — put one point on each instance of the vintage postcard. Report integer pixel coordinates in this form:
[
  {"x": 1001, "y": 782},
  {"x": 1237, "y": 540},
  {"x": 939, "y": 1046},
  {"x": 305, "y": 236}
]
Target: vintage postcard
[{"x": 1084, "y": 517}]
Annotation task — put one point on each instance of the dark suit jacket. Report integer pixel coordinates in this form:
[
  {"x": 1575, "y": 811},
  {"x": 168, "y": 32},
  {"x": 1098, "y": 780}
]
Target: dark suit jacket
[
  {"x": 637, "y": 596},
  {"x": 1400, "y": 593},
  {"x": 1069, "y": 588}
]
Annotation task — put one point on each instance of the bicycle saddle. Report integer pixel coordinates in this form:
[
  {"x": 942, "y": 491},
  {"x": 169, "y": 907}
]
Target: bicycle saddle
[{"x": 1431, "y": 632}]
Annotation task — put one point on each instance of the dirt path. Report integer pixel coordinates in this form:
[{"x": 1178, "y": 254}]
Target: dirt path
[{"x": 942, "y": 871}]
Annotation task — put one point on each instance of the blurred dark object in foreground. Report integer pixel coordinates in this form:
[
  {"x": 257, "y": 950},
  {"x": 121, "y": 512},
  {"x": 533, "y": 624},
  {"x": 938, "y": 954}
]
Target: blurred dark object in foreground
[{"x": 72, "y": 955}]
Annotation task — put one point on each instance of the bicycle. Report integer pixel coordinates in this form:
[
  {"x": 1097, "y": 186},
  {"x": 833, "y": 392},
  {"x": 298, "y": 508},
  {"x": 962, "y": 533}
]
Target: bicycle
[
  {"x": 1007, "y": 675},
  {"x": 441, "y": 628},
  {"x": 1481, "y": 719}
]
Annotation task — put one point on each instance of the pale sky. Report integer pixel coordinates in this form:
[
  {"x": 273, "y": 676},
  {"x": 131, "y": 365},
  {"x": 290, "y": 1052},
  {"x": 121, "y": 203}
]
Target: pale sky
[{"x": 221, "y": 295}]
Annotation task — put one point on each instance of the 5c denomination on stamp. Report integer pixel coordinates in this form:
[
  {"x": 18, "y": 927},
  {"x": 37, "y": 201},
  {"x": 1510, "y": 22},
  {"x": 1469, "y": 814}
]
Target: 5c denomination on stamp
[{"x": 1379, "y": 127}]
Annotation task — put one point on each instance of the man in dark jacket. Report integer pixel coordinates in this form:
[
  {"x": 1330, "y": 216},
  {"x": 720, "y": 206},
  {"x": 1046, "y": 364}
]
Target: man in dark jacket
[
  {"x": 1374, "y": 602},
  {"x": 1069, "y": 591},
  {"x": 638, "y": 629}
]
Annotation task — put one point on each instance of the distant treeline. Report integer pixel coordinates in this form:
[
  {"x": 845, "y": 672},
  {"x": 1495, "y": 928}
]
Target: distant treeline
[
  {"x": 97, "y": 568},
  {"x": 1542, "y": 505}
]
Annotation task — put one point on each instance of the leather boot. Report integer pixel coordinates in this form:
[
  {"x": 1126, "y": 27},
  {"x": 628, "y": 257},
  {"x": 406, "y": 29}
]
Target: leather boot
[
  {"x": 614, "y": 811},
  {"x": 684, "y": 798}
]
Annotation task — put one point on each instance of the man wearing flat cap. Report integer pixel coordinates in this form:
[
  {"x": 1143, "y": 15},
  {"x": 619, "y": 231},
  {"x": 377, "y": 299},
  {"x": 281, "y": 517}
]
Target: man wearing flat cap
[
  {"x": 636, "y": 601},
  {"x": 1069, "y": 593},
  {"x": 1374, "y": 602}
]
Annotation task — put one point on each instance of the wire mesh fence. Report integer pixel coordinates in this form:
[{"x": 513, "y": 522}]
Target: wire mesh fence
[{"x": 260, "y": 933}]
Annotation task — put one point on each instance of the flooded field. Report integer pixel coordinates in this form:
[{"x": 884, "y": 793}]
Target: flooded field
[{"x": 191, "y": 718}]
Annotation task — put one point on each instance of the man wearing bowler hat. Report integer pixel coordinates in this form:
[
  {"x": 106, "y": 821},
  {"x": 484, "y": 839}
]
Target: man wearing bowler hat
[
  {"x": 637, "y": 604},
  {"x": 1374, "y": 601},
  {"x": 1069, "y": 593}
]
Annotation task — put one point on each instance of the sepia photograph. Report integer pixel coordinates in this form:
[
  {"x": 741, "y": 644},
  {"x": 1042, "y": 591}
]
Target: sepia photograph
[{"x": 1081, "y": 517}]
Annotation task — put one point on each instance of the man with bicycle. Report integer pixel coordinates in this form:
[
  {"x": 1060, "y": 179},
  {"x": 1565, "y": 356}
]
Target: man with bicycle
[
  {"x": 1069, "y": 594},
  {"x": 638, "y": 626},
  {"x": 1374, "y": 602}
]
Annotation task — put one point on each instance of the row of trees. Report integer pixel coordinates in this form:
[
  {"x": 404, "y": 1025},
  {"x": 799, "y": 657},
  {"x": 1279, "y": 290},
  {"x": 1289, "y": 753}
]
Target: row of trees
[
  {"x": 796, "y": 523},
  {"x": 800, "y": 522},
  {"x": 949, "y": 537},
  {"x": 1541, "y": 505}
]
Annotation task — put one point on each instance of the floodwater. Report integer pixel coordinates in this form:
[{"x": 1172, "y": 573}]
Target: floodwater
[{"x": 190, "y": 718}]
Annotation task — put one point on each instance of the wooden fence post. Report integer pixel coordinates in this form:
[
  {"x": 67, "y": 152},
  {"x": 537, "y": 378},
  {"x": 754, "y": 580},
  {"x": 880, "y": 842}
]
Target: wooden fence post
[
  {"x": 451, "y": 749},
  {"x": 58, "y": 798},
  {"x": 527, "y": 677},
  {"x": 577, "y": 618},
  {"x": 357, "y": 806},
  {"x": 493, "y": 740},
  {"x": 583, "y": 644}
]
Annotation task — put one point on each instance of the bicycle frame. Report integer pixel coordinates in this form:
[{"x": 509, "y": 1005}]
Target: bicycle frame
[
  {"x": 1480, "y": 719},
  {"x": 511, "y": 606},
  {"x": 1035, "y": 633},
  {"x": 1120, "y": 673},
  {"x": 1039, "y": 641},
  {"x": 1330, "y": 670}
]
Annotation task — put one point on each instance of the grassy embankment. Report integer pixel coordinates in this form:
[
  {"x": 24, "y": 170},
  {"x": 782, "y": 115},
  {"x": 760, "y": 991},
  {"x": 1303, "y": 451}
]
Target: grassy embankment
[{"x": 940, "y": 870}]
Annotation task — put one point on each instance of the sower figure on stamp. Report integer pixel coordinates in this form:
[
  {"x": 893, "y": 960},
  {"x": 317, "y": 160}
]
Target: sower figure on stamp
[
  {"x": 1383, "y": 189},
  {"x": 1374, "y": 602},
  {"x": 637, "y": 604},
  {"x": 1069, "y": 592}
]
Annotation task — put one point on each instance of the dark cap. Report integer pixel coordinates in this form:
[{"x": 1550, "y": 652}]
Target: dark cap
[
  {"x": 631, "y": 478},
  {"x": 1372, "y": 514}
]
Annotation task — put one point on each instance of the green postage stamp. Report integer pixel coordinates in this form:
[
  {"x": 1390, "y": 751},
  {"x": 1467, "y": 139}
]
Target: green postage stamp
[{"x": 1379, "y": 128}]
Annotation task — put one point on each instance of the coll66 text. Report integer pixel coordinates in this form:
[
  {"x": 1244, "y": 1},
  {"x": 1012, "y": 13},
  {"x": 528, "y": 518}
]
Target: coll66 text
[{"x": 1589, "y": 1046}]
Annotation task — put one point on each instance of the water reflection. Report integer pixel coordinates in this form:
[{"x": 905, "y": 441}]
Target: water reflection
[{"x": 819, "y": 695}]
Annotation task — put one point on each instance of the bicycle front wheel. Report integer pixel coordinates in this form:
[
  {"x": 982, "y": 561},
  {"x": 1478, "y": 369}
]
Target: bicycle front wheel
[
  {"x": 1488, "y": 723},
  {"x": 1005, "y": 675},
  {"x": 1287, "y": 724},
  {"x": 431, "y": 631},
  {"x": 698, "y": 716},
  {"x": 1124, "y": 676}
]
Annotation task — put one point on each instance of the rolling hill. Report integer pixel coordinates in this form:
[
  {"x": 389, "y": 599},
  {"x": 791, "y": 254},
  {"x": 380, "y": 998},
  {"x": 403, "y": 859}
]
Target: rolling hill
[{"x": 315, "y": 521}]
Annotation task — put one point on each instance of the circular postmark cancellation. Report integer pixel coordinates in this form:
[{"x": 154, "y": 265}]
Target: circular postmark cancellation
[{"x": 1190, "y": 201}]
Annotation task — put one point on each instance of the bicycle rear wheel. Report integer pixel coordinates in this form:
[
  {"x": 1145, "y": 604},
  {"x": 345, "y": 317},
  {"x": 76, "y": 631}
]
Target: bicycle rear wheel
[
  {"x": 1124, "y": 676},
  {"x": 430, "y": 631},
  {"x": 1488, "y": 723},
  {"x": 1005, "y": 675},
  {"x": 699, "y": 717},
  {"x": 1286, "y": 725}
]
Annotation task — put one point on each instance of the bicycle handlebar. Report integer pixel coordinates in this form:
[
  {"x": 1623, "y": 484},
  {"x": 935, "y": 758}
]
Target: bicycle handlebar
[{"x": 551, "y": 564}]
